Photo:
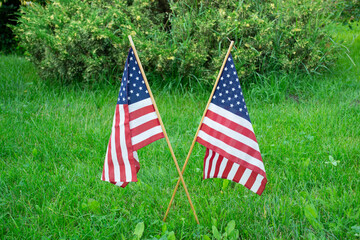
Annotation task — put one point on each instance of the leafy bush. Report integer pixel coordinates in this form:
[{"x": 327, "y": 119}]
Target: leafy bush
[
  {"x": 86, "y": 40},
  {"x": 269, "y": 35},
  {"x": 82, "y": 40}
]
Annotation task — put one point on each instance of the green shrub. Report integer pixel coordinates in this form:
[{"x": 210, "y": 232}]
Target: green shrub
[
  {"x": 269, "y": 35},
  {"x": 86, "y": 40},
  {"x": 82, "y": 40}
]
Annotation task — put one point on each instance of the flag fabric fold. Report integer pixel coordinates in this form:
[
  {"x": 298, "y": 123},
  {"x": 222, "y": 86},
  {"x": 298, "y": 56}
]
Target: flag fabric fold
[
  {"x": 226, "y": 131},
  {"x": 135, "y": 125}
]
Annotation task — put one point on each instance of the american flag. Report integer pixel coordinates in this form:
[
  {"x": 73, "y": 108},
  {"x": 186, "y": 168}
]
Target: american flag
[
  {"x": 135, "y": 125},
  {"x": 232, "y": 150}
]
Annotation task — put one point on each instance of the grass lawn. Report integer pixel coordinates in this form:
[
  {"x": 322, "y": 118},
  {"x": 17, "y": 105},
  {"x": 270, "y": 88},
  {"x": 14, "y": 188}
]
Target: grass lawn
[{"x": 53, "y": 141}]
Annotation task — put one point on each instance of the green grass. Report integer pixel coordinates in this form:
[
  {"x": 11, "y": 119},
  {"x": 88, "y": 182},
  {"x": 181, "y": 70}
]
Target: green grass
[{"x": 53, "y": 140}]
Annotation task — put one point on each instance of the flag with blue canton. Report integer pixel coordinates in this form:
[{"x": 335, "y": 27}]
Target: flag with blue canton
[
  {"x": 135, "y": 125},
  {"x": 226, "y": 131}
]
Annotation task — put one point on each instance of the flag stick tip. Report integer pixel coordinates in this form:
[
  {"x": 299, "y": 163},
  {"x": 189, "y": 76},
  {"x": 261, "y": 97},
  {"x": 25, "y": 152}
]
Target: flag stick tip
[{"x": 131, "y": 41}]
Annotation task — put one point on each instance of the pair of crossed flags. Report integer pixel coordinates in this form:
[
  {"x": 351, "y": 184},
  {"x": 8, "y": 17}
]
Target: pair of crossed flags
[{"x": 225, "y": 130}]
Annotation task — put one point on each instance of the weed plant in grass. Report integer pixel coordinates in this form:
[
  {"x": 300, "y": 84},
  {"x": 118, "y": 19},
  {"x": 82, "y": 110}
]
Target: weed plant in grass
[{"x": 53, "y": 140}]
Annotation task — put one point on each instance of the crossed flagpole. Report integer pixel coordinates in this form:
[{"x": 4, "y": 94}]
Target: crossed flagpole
[
  {"x": 163, "y": 129},
  {"x": 197, "y": 132},
  {"x": 165, "y": 134}
]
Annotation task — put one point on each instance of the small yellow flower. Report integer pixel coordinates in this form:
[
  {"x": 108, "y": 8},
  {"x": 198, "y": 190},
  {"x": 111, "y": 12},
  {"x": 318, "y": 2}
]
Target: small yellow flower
[
  {"x": 222, "y": 12},
  {"x": 110, "y": 24},
  {"x": 138, "y": 18}
]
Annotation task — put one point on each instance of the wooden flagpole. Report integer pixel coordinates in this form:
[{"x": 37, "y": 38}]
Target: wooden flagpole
[
  {"x": 163, "y": 127},
  {"x": 197, "y": 132}
]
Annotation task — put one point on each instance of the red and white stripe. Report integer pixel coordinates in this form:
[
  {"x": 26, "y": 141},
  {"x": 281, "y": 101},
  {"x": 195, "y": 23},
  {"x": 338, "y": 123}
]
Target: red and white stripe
[
  {"x": 144, "y": 124},
  {"x": 233, "y": 152},
  {"x": 134, "y": 127},
  {"x": 216, "y": 166}
]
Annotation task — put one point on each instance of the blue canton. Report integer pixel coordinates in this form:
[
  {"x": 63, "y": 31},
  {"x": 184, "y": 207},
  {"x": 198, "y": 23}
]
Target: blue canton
[
  {"x": 228, "y": 93},
  {"x": 133, "y": 88}
]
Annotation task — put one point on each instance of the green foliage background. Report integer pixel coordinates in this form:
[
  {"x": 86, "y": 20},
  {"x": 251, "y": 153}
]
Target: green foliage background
[
  {"x": 7, "y": 16},
  {"x": 351, "y": 10},
  {"x": 183, "y": 40}
]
